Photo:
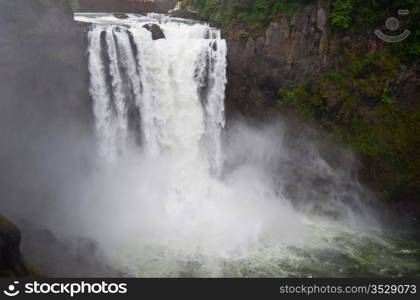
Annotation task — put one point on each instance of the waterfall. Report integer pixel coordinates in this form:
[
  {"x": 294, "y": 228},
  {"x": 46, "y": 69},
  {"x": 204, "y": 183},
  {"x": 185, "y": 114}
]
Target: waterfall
[
  {"x": 159, "y": 204},
  {"x": 164, "y": 95}
]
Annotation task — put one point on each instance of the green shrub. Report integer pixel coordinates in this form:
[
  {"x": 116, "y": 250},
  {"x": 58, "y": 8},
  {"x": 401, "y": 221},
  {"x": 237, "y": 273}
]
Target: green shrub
[
  {"x": 254, "y": 13},
  {"x": 378, "y": 126},
  {"x": 368, "y": 15},
  {"x": 341, "y": 14},
  {"x": 243, "y": 34}
]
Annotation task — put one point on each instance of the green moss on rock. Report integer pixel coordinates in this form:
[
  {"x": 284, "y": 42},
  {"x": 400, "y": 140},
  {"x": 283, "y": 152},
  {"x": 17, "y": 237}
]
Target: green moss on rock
[{"x": 358, "y": 106}]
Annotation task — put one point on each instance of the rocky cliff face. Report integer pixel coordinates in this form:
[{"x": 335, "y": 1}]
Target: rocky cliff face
[
  {"x": 12, "y": 263},
  {"x": 356, "y": 89},
  {"x": 290, "y": 51},
  {"x": 45, "y": 121}
]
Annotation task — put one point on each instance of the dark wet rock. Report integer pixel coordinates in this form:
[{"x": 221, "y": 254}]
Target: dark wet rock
[
  {"x": 12, "y": 263},
  {"x": 121, "y": 16},
  {"x": 290, "y": 51},
  {"x": 156, "y": 31},
  {"x": 184, "y": 11},
  {"x": 63, "y": 257}
]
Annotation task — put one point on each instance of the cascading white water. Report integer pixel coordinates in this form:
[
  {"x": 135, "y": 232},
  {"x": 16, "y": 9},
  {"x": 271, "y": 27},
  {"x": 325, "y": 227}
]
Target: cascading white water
[
  {"x": 169, "y": 92},
  {"x": 162, "y": 206},
  {"x": 177, "y": 84}
]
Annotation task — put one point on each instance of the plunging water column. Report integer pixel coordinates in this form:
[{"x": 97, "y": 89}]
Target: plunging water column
[{"x": 165, "y": 95}]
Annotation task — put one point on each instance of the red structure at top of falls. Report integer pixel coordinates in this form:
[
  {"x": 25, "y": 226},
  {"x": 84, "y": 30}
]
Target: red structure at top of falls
[{"x": 131, "y": 6}]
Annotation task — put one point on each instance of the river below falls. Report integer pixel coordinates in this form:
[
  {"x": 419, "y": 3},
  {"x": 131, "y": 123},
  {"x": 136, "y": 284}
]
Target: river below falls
[{"x": 328, "y": 251}]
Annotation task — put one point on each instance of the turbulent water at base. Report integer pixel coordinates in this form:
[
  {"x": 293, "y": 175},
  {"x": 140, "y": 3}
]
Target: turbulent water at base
[{"x": 174, "y": 198}]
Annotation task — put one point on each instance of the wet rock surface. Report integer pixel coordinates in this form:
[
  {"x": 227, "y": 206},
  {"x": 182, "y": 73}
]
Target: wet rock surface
[
  {"x": 12, "y": 263},
  {"x": 121, "y": 16},
  {"x": 156, "y": 31},
  {"x": 290, "y": 51}
]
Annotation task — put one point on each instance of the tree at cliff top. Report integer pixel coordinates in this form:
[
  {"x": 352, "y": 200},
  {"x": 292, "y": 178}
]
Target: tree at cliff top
[
  {"x": 347, "y": 15},
  {"x": 257, "y": 13},
  {"x": 359, "y": 16}
]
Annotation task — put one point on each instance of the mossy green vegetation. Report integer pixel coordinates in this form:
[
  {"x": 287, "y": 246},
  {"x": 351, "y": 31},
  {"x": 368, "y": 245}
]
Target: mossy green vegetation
[
  {"x": 30, "y": 272},
  {"x": 346, "y": 15},
  {"x": 368, "y": 15},
  {"x": 254, "y": 13},
  {"x": 358, "y": 106},
  {"x": 243, "y": 34},
  {"x": 359, "y": 101},
  {"x": 360, "y": 15}
]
